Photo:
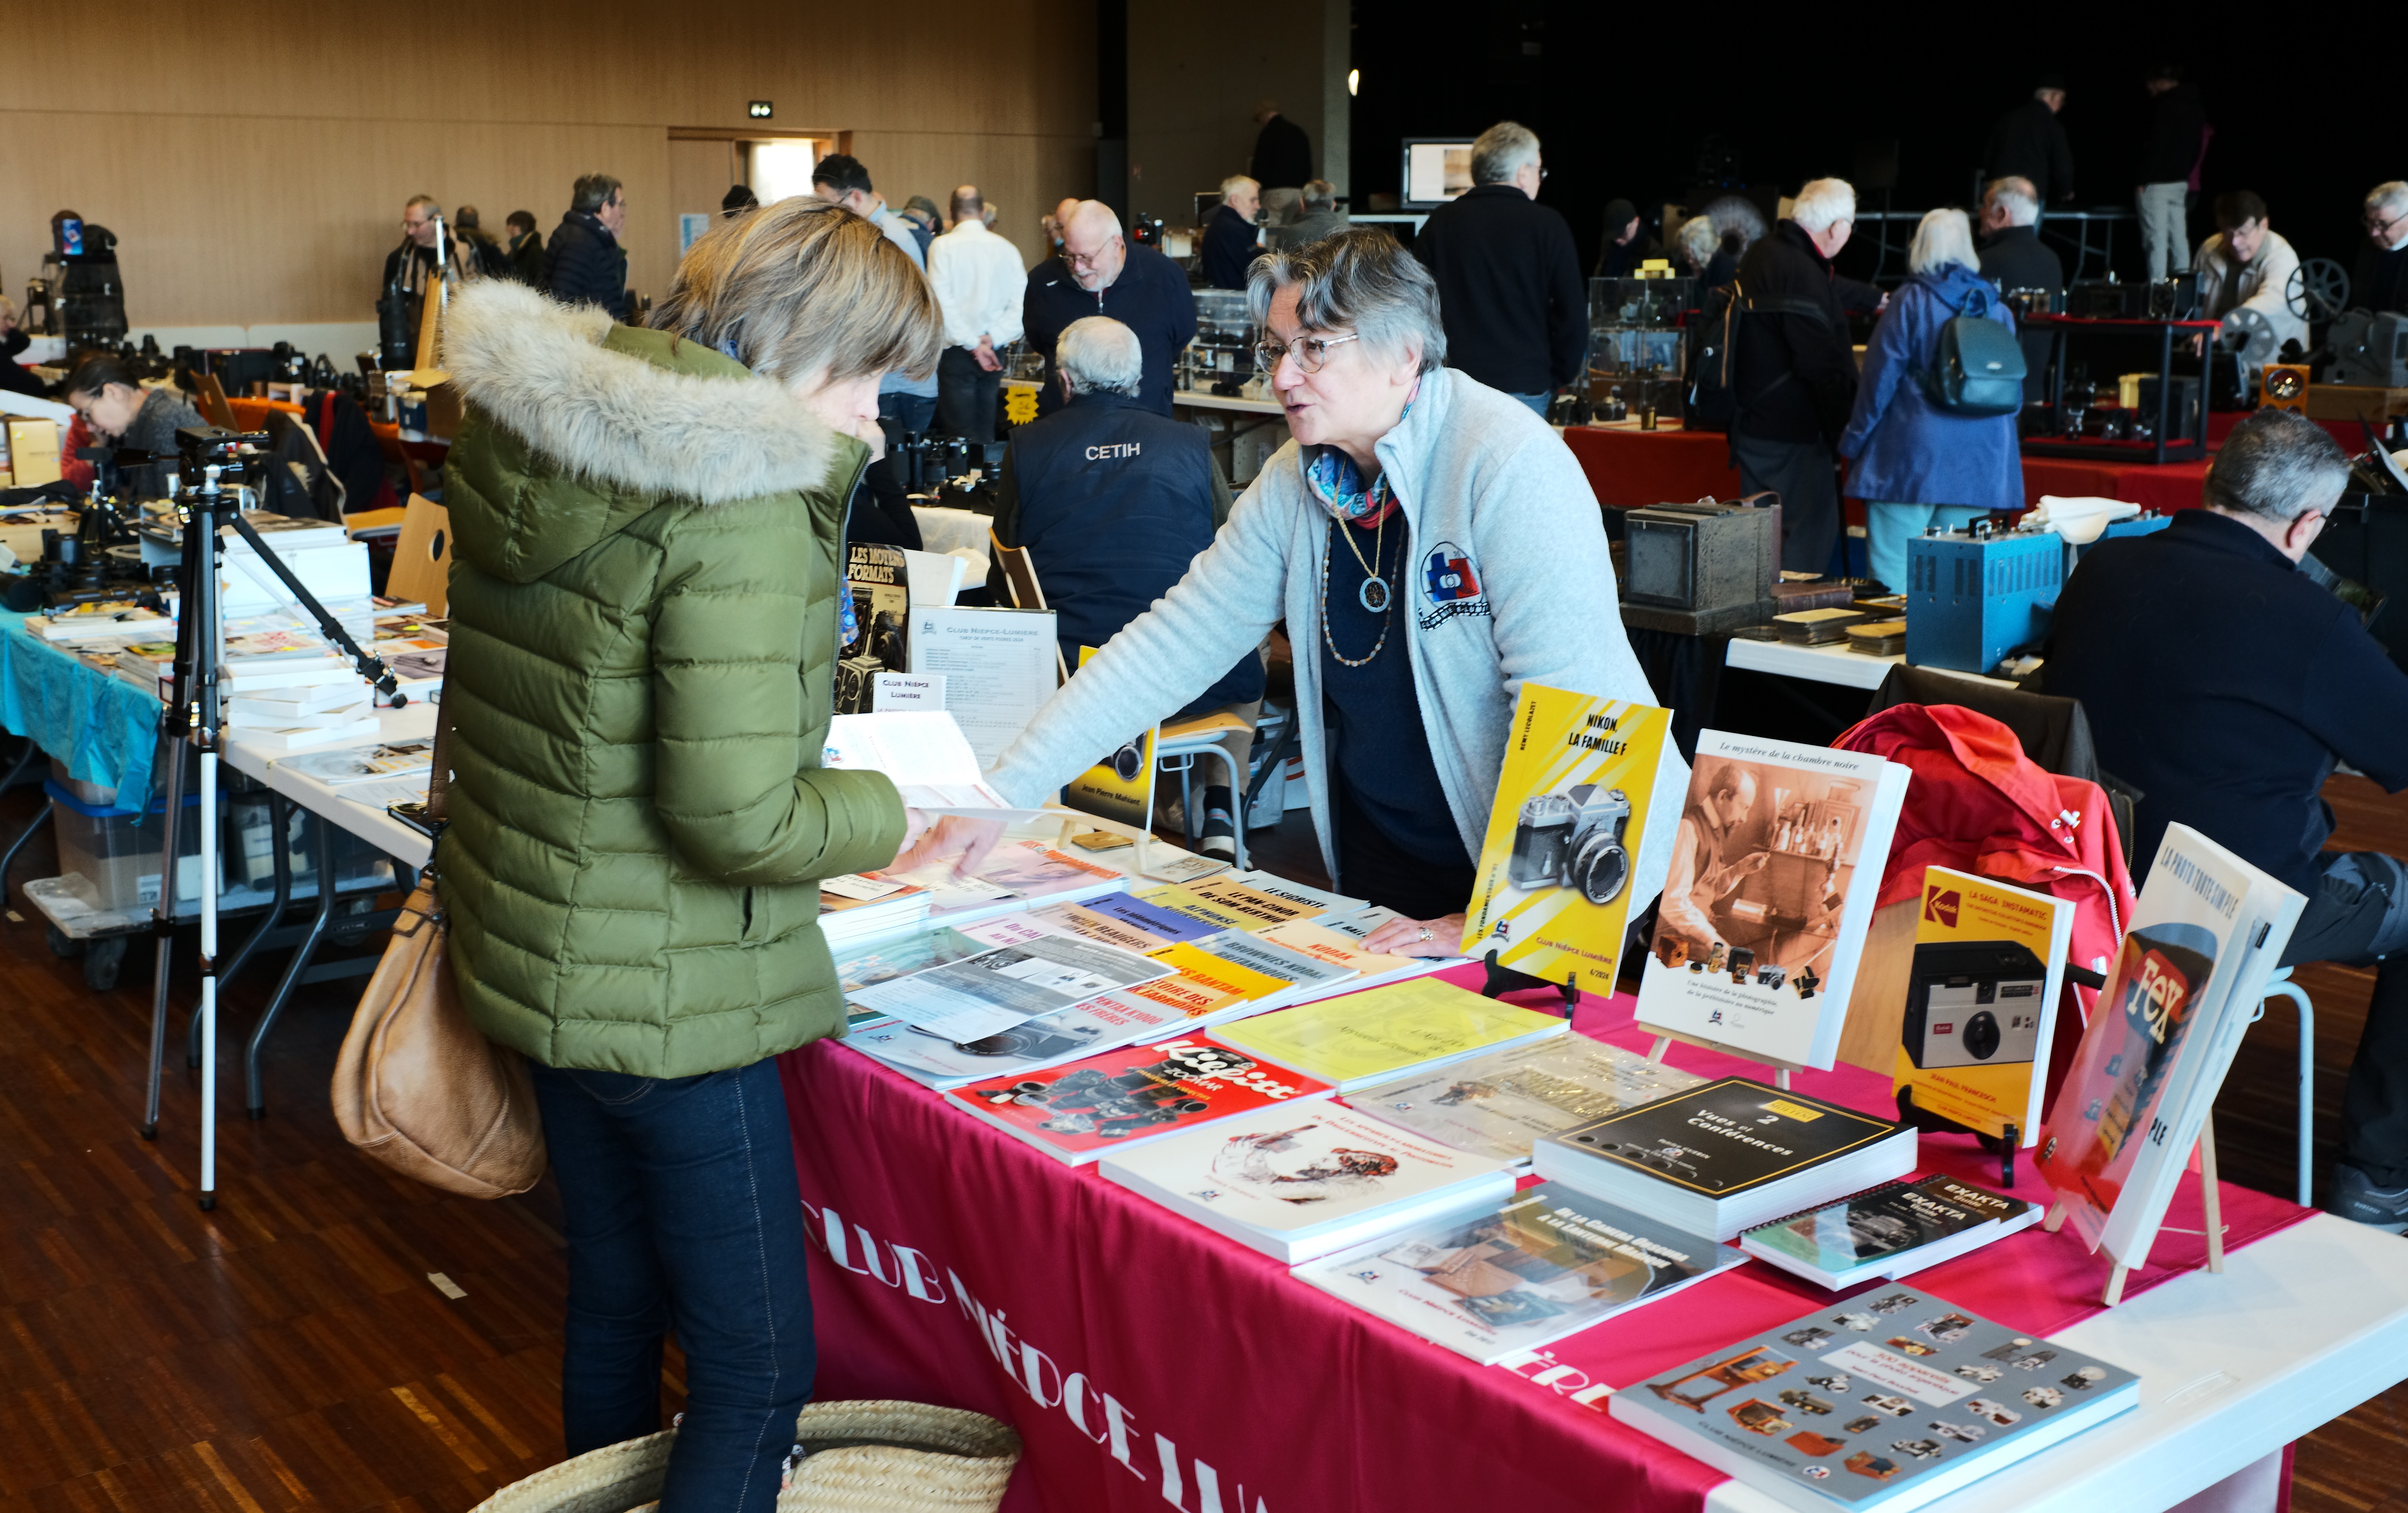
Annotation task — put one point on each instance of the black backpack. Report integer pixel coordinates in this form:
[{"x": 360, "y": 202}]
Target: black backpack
[
  {"x": 1713, "y": 402},
  {"x": 1979, "y": 373}
]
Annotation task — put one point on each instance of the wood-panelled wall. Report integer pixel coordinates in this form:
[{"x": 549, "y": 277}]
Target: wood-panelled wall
[{"x": 253, "y": 160}]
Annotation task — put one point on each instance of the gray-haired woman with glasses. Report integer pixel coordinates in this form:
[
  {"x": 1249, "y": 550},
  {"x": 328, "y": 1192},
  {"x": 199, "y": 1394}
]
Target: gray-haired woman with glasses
[{"x": 1430, "y": 545}]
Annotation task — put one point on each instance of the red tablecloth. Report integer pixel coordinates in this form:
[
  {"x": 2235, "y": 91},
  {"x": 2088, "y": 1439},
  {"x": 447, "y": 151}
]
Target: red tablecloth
[
  {"x": 1144, "y": 1359},
  {"x": 2171, "y": 487},
  {"x": 1631, "y": 469}
]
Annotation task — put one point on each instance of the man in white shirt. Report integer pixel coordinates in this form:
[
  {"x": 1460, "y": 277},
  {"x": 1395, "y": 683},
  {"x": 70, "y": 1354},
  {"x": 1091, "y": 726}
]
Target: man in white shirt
[
  {"x": 979, "y": 279},
  {"x": 2245, "y": 265}
]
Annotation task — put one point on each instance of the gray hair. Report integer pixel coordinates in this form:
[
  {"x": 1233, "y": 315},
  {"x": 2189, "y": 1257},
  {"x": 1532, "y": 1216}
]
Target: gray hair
[
  {"x": 1697, "y": 240},
  {"x": 2277, "y": 466},
  {"x": 1321, "y": 194},
  {"x": 1736, "y": 214},
  {"x": 2392, "y": 196},
  {"x": 1941, "y": 237},
  {"x": 1360, "y": 278},
  {"x": 1097, "y": 353},
  {"x": 591, "y": 192},
  {"x": 1501, "y": 150},
  {"x": 1823, "y": 203},
  {"x": 2015, "y": 196},
  {"x": 1235, "y": 182}
]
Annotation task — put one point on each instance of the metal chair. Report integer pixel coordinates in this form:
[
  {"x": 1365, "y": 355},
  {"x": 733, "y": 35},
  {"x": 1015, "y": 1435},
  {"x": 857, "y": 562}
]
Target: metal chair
[{"x": 2281, "y": 986}]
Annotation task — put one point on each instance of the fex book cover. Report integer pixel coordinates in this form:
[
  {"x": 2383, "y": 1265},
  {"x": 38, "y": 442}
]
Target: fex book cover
[
  {"x": 1981, "y": 999},
  {"x": 1554, "y": 880}
]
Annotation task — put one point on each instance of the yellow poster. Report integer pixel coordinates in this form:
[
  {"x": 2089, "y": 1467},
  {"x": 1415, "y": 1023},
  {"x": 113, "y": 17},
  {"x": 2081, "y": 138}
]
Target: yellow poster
[
  {"x": 1120, "y": 786},
  {"x": 1981, "y": 1001},
  {"x": 1553, "y": 893}
]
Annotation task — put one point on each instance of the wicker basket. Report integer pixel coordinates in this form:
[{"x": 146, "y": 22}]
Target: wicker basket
[{"x": 866, "y": 1457}]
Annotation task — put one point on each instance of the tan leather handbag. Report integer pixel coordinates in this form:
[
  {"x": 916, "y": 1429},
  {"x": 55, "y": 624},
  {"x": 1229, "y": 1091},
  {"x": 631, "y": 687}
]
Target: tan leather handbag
[{"x": 417, "y": 1086}]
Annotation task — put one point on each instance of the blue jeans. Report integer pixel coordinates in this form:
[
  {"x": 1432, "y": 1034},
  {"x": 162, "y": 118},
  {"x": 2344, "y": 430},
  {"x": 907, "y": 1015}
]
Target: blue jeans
[
  {"x": 1537, "y": 402},
  {"x": 1889, "y": 527},
  {"x": 682, "y": 1212}
]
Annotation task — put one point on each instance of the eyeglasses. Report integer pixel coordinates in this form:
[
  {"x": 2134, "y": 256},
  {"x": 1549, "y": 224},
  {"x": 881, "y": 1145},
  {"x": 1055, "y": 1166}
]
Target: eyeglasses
[
  {"x": 1087, "y": 260},
  {"x": 1311, "y": 354},
  {"x": 2382, "y": 227}
]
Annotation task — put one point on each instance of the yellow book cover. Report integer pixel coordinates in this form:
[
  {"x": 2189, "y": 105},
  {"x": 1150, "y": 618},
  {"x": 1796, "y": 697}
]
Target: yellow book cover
[
  {"x": 1368, "y": 1037},
  {"x": 1553, "y": 891},
  {"x": 1981, "y": 1001},
  {"x": 1206, "y": 984},
  {"x": 1178, "y": 900},
  {"x": 1262, "y": 908},
  {"x": 1120, "y": 786}
]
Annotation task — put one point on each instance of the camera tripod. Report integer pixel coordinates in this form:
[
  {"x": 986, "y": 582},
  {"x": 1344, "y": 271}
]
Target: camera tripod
[{"x": 211, "y": 462}]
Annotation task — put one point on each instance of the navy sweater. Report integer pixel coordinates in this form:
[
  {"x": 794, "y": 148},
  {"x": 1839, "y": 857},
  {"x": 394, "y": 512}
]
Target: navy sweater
[
  {"x": 2222, "y": 682},
  {"x": 1151, "y": 297}
]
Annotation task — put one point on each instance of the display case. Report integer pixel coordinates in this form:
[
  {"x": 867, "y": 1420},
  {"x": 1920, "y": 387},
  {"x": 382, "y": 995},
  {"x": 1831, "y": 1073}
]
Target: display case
[
  {"x": 1637, "y": 348},
  {"x": 1223, "y": 351}
]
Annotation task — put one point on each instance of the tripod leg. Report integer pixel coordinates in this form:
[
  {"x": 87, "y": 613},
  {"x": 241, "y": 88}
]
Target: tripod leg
[
  {"x": 279, "y": 822},
  {"x": 163, "y": 930},
  {"x": 8, "y": 858},
  {"x": 25, "y": 759},
  {"x": 209, "y": 878},
  {"x": 254, "y": 1095}
]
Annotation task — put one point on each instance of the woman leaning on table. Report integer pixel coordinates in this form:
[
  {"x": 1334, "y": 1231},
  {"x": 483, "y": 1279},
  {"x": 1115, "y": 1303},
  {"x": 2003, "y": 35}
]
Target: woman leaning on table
[
  {"x": 1430, "y": 545},
  {"x": 644, "y": 622}
]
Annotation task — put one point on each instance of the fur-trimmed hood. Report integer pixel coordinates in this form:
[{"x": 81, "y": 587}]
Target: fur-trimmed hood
[{"x": 627, "y": 419}]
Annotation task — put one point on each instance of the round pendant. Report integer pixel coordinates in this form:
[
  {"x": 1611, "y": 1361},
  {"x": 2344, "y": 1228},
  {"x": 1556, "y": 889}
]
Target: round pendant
[{"x": 1374, "y": 595}]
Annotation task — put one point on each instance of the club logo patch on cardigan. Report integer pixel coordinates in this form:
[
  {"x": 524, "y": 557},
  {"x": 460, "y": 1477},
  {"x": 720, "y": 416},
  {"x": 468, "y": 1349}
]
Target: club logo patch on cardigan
[{"x": 1450, "y": 586}]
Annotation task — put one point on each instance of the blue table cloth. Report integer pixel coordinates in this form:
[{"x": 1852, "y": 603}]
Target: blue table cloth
[{"x": 104, "y": 728}]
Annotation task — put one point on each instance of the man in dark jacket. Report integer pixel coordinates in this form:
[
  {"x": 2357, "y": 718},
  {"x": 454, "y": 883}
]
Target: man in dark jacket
[
  {"x": 2029, "y": 142},
  {"x": 1319, "y": 216},
  {"x": 1113, "y": 502},
  {"x": 2014, "y": 257},
  {"x": 2236, "y": 737},
  {"x": 1232, "y": 242},
  {"x": 526, "y": 248},
  {"x": 2380, "y": 280},
  {"x": 585, "y": 265},
  {"x": 1509, "y": 281},
  {"x": 2169, "y": 168},
  {"x": 1627, "y": 244},
  {"x": 1282, "y": 152},
  {"x": 1796, "y": 371},
  {"x": 1100, "y": 273}
]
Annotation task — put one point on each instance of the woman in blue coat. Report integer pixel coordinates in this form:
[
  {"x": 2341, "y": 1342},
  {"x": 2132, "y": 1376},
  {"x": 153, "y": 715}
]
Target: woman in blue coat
[{"x": 1915, "y": 464}]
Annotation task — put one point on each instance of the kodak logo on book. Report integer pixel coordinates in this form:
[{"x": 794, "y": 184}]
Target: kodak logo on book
[{"x": 1939, "y": 905}]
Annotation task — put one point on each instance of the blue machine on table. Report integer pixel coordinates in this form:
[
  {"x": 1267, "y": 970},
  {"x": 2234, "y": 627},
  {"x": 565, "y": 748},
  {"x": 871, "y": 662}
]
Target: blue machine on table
[{"x": 1975, "y": 594}]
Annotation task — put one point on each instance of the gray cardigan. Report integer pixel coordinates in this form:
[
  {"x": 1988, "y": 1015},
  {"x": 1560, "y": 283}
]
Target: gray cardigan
[{"x": 1509, "y": 580}]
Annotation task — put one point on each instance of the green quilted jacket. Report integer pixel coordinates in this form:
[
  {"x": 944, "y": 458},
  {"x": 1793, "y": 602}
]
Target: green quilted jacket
[{"x": 643, "y": 638}]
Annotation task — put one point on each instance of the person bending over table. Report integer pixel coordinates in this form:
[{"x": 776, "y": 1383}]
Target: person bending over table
[
  {"x": 1432, "y": 546},
  {"x": 112, "y": 402},
  {"x": 644, "y": 624},
  {"x": 1916, "y": 464},
  {"x": 2223, "y": 681}
]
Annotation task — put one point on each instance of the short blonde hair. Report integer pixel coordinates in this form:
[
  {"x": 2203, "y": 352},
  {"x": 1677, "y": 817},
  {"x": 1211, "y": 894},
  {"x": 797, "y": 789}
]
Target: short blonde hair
[
  {"x": 803, "y": 287},
  {"x": 1823, "y": 203},
  {"x": 1941, "y": 237}
]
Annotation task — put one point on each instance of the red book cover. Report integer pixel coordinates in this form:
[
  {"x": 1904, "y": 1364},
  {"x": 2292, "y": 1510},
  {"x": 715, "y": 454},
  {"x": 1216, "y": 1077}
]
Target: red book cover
[{"x": 1115, "y": 1099}]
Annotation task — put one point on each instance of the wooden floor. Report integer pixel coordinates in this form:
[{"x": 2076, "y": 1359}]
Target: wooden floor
[{"x": 290, "y": 1352}]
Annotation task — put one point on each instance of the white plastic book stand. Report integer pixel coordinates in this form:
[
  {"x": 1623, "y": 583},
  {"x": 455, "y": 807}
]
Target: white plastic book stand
[{"x": 1781, "y": 1069}]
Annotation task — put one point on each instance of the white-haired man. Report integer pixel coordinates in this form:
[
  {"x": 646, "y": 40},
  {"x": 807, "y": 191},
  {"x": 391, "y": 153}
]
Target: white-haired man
[
  {"x": 2380, "y": 280},
  {"x": 1509, "y": 280},
  {"x": 1100, "y": 273},
  {"x": 1796, "y": 379},
  {"x": 2014, "y": 257},
  {"x": 1232, "y": 240},
  {"x": 1112, "y": 501}
]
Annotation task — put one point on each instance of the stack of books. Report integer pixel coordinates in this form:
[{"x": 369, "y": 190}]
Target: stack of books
[
  {"x": 1366, "y": 1038},
  {"x": 1887, "y": 1232},
  {"x": 1503, "y": 1102},
  {"x": 1296, "y": 1183},
  {"x": 329, "y": 563},
  {"x": 1120, "y": 1099},
  {"x": 856, "y": 909},
  {"x": 288, "y": 691},
  {"x": 1727, "y": 1156}
]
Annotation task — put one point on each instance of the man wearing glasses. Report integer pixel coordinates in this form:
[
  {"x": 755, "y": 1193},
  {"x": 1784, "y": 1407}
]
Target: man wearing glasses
[
  {"x": 2235, "y": 735},
  {"x": 2380, "y": 280},
  {"x": 1509, "y": 279},
  {"x": 1100, "y": 273}
]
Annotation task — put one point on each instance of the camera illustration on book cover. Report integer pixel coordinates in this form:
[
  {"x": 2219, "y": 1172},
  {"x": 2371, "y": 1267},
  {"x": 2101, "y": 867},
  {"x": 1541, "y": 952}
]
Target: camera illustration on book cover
[
  {"x": 1557, "y": 867},
  {"x": 1120, "y": 786},
  {"x": 1141, "y": 1090},
  {"x": 1982, "y": 989},
  {"x": 879, "y": 584},
  {"x": 1857, "y": 1420}
]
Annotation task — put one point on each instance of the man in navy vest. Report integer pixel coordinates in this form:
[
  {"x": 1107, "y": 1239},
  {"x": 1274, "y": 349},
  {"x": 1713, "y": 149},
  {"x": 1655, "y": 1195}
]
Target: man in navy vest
[{"x": 1112, "y": 501}]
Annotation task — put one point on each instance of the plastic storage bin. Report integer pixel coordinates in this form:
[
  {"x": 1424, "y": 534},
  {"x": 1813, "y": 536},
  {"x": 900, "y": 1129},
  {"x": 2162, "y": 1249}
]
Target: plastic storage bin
[{"x": 116, "y": 852}]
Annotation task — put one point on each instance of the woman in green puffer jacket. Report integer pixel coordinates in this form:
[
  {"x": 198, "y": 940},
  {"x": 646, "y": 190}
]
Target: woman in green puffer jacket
[{"x": 645, "y": 593}]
